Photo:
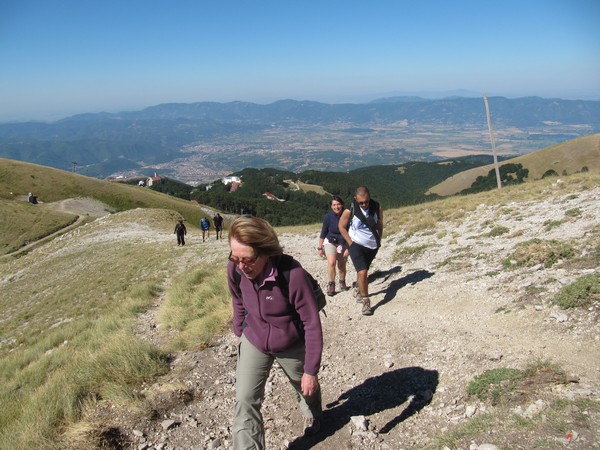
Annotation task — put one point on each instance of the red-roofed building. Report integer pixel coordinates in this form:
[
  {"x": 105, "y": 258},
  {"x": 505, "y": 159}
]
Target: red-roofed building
[{"x": 153, "y": 180}]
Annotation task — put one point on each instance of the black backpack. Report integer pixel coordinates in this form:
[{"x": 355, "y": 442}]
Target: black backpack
[{"x": 284, "y": 266}]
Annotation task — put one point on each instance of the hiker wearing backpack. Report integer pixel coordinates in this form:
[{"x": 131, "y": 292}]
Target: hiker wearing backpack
[
  {"x": 362, "y": 228},
  {"x": 180, "y": 231},
  {"x": 205, "y": 227},
  {"x": 333, "y": 246},
  {"x": 275, "y": 319}
]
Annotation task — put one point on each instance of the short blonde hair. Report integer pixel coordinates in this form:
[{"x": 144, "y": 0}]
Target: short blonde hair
[{"x": 257, "y": 233}]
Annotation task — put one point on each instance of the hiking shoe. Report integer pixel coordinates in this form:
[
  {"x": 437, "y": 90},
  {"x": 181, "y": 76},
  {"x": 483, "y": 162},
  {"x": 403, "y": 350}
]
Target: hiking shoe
[
  {"x": 331, "y": 288},
  {"x": 357, "y": 296},
  {"x": 343, "y": 286},
  {"x": 312, "y": 426},
  {"x": 366, "y": 309}
]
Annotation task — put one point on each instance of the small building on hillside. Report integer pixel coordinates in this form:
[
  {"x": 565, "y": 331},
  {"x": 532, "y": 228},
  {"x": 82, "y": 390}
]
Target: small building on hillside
[
  {"x": 270, "y": 196},
  {"x": 227, "y": 180},
  {"x": 234, "y": 187},
  {"x": 153, "y": 180}
]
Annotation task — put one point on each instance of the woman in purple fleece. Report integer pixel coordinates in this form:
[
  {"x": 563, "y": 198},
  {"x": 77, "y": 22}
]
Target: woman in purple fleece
[{"x": 271, "y": 324}]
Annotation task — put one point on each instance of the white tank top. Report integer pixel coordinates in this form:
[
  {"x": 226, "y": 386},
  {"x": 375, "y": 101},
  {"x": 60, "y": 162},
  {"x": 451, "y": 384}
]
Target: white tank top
[{"x": 359, "y": 232}]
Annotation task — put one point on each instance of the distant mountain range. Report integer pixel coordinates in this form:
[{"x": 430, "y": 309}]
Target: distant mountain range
[{"x": 105, "y": 143}]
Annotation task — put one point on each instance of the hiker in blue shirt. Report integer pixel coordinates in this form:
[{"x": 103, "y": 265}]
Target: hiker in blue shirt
[
  {"x": 205, "y": 227},
  {"x": 333, "y": 246}
]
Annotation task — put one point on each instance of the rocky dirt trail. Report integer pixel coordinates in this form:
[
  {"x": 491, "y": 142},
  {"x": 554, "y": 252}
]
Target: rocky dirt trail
[{"x": 398, "y": 379}]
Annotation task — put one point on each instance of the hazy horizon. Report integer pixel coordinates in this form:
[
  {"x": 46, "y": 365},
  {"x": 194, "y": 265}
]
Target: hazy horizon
[{"x": 73, "y": 57}]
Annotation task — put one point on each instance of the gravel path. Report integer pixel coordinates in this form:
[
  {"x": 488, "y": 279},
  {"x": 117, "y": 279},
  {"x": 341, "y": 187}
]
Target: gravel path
[{"x": 398, "y": 379}]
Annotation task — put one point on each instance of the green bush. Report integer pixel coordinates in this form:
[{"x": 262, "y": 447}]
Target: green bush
[
  {"x": 498, "y": 231},
  {"x": 494, "y": 383},
  {"x": 538, "y": 251},
  {"x": 582, "y": 293}
]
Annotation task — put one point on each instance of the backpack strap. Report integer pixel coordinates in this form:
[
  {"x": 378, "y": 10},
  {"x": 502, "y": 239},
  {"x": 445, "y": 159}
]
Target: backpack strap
[{"x": 370, "y": 221}]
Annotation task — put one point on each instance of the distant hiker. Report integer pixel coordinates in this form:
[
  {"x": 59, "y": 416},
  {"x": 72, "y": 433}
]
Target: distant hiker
[
  {"x": 205, "y": 227},
  {"x": 32, "y": 199},
  {"x": 362, "y": 229},
  {"x": 218, "y": 221},
  {"x": 272, "y": 325},
  {"x": 333, "y": 245},
  {"x": 180, "y": 231}
]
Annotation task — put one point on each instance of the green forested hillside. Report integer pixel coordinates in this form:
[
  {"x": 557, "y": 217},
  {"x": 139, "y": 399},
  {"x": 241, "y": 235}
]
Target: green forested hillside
[{"x": 392, "y": 185}]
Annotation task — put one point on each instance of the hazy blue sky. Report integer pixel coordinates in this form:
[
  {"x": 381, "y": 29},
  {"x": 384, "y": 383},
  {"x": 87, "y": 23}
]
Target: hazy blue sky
[{"x": 68, "y": 56}]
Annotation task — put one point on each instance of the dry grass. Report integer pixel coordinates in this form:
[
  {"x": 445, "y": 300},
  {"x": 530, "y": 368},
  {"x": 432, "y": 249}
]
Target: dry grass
[
  {"x": 570, "y": 157},
  {"x": 22, "y": 222},
  {"x": 18, "y": 178},
  {"x": 69, "y": 310},
  {"x": 197, "y": 306}
]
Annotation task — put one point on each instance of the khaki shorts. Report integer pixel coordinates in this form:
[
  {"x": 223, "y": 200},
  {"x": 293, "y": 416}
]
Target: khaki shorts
[{"x": 331, "y": 249}]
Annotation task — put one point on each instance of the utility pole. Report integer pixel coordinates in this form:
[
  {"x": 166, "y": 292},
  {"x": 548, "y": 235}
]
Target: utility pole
[{"x": 489, "y": 120}]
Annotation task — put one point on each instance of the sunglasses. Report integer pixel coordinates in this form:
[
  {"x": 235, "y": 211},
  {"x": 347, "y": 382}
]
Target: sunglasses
[{"x": 244, "y": 261}]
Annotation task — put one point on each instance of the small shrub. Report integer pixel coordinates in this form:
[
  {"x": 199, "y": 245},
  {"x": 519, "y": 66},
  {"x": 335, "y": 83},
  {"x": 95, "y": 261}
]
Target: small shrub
[
  {"x": 538, "y": 251},
  {"x": 494, "y": 383},
  {"x": 409, "y": 251},
  {"x": 550, "y": 173},
  {"x": 582, "y": 293},
  {"x": 498, "y": 231},
  {"x": 575, "y": 212},
  {"x": 549, "y": 224}
]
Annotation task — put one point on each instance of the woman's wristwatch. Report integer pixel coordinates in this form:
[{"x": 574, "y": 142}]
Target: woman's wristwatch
[{"x": 319, "y": 248}]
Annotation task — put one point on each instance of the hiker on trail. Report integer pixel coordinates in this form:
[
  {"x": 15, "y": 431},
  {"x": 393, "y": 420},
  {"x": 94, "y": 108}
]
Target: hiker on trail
[
  {"x": 272, "y": 324},
  {"x": 180, "y": 231},
  {"x": 205, "y": 227},
  {"x": 218, "y": 221},
  {"x": 362, "y": 229},
  {"x": 333, "y": 246}
]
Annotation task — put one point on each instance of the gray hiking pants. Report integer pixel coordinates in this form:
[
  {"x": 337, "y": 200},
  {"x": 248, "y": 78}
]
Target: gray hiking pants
[{"x": 252, "y": 371}]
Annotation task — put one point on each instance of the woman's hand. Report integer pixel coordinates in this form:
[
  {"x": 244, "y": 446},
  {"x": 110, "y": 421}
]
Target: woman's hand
[{"x": 309, "y": 385}]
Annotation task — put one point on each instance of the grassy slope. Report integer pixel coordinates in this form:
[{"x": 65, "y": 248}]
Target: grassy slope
[
  {"x": 20, "y": 222},
  {"x": 69, "y": 311},
  {"x": 568, "y": 156}
]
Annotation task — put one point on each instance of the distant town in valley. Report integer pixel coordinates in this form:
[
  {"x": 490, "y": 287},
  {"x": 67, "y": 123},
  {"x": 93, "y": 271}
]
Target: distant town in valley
[
  {"x": 200, "y": 142},
  {"x": 341, "y": 147}
]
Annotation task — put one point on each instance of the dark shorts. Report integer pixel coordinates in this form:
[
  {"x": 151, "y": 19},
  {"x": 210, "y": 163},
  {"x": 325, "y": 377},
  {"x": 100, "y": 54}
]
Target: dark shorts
[{"x": 361, "y": 256}]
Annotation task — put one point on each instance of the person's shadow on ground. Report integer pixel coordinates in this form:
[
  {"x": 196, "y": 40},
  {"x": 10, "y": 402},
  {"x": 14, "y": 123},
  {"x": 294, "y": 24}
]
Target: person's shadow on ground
[
  {"x": 392, "y": 289},
  {"x": 389, "y": 390},
  {"x": 385, "y": 274}
]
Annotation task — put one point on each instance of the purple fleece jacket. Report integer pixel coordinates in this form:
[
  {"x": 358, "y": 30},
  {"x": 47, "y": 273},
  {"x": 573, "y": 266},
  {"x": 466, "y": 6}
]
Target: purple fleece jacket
[{"x": 265, "y": 316}]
